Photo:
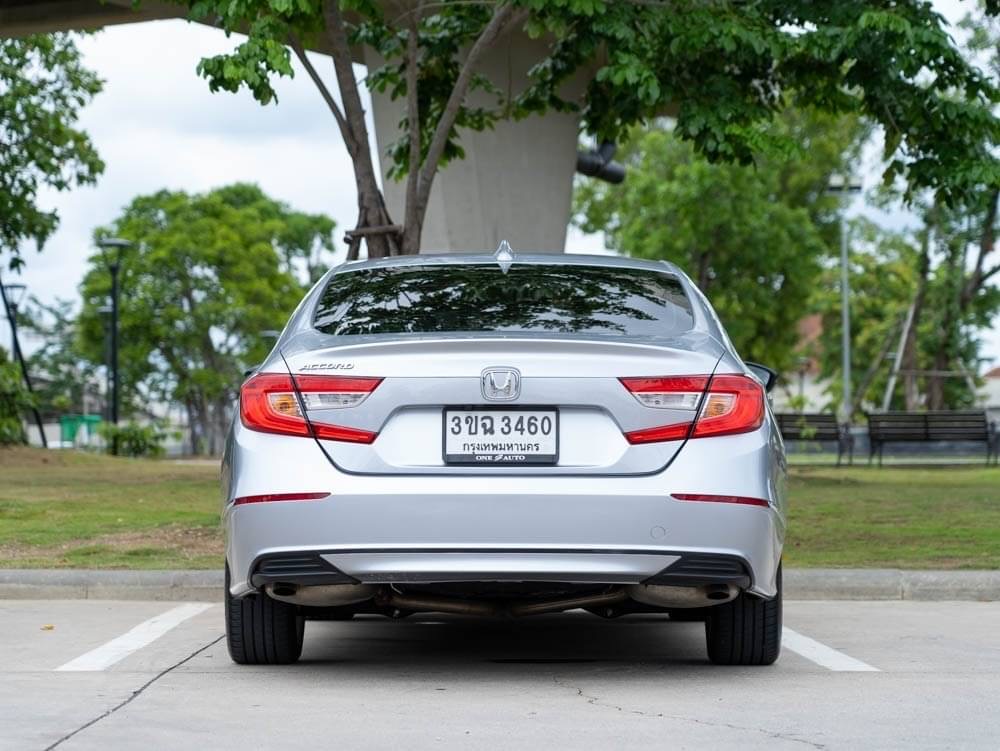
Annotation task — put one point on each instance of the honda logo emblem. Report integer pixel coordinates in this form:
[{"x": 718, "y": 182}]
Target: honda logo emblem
[{"x": 501, "y": 384}]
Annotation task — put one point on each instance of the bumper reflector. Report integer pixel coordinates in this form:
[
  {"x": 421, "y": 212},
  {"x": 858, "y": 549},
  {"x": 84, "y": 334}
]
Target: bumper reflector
[
  {"x": 269, "y": 497},
  {"x": 741, "y": 499}
]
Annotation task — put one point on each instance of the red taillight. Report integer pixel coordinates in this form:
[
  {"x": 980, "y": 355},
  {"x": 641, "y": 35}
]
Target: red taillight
[
  {"x": 728, "y": 404},
  {"x": 733, "y": 404},
  {"x": 707, "y": 498},
  {"x": 269, "y": 403},
  {"x": 271, "y": 497}
]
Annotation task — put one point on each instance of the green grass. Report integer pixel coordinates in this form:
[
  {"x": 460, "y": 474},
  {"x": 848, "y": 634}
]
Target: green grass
[
  {"x": 899, "y": 517},
  {"x": 71, "y": 509}
]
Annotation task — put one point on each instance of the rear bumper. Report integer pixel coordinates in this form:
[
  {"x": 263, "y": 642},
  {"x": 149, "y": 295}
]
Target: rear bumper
[
  {"x": 461, "y": 565},
  {"x": 396, "y": 529}
]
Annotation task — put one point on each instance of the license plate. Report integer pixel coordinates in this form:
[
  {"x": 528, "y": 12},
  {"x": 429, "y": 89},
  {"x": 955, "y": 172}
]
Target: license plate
[{"x": 501, "y": 436}]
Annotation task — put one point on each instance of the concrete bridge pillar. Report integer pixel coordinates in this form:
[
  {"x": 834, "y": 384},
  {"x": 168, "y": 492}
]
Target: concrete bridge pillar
[{"x": 516, "y": 180}]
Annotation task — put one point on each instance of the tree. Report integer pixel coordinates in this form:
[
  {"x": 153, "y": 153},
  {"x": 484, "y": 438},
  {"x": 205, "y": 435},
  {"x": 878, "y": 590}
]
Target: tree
[
  {"x": 727, "y": 68},
  {"x": 43, "y": 87},
  {"x": 949, "y": 293},
  {"x": 208, "y": 277},
  {"x": 66, "y": 381},
  {"x": 14, "y": 401},
  {"x": 885, "y": 273},
  {"x": 929, "y": 271},
  {"x": 753, "y": 238}
]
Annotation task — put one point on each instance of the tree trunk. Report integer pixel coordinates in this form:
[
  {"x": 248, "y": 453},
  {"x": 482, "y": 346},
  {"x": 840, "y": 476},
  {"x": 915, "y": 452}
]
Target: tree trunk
[
  {"x": 413, "y": 221},
  {"x": 910, "y": 360},
  {"x": 374, "y": 223},
  {"x": 704, "y": 267},
  {"x": 946, "y": 345},
  {"x": 199, "y": 423},
  {"x": 372, "y": 212}
]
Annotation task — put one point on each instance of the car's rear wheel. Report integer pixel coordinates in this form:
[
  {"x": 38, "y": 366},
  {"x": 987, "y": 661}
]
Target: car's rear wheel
[
  {"x": 262, "y": 631},
  {"x": 745, "y": 631}
]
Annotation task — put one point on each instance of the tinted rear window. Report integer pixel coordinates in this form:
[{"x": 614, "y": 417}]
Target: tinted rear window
[{"x": 530, "y": 298}]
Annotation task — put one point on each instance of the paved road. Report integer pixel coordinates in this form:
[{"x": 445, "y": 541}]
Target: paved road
[{"x": 864, "y": 675}]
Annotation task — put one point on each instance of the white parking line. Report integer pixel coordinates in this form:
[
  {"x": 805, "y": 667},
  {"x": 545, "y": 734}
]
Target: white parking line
[
  {"x": 822, "y": 655},
  {"x": 145, "y": 633}
]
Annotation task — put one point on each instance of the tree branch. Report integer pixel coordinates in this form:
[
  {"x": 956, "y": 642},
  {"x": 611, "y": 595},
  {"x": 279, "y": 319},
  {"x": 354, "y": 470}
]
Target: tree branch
[
  {"x": 987, "y": 274},
  {"x": 412, "y": 220},
  {"x": 340, "y": 51},
  {"x": 371, "y": 205},
  {"x": 987, "y": 241},
  {"x": 296, "y": 45},
  {"x": 504, "y": 16}
]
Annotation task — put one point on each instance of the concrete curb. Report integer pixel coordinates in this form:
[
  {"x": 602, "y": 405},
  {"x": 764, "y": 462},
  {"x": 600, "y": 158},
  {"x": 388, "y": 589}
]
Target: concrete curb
[
  {"x": 800, "y": 584},
  {"x": 75, "y": 584},
  {"x": 890, "y": 584}
]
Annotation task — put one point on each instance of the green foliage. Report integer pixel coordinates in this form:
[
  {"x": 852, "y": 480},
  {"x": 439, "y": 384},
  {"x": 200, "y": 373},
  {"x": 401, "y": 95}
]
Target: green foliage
[
  {"x": 725, "y": 69},
  {"x": 752, "y": 238},
  {"x": 14, "y": 400},
  {"x": 65, "y": 381},
  {"x": 884, "y": 280},
  {"x": 43, "y": 87},
  {"x": 947, "y": 270},
  {"x": 133, "y": 439},
  {"x": 209, "y": 274}
]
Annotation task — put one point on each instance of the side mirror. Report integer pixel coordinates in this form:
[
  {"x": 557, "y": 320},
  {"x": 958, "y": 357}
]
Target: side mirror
[{"x": 764, "y": 374}]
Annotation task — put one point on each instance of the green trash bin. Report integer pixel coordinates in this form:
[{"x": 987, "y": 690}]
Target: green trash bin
[
  {"x": 92, "y": 423},
  {"x": 69, "y": 426},
  {"x": 69, "y": 429}
]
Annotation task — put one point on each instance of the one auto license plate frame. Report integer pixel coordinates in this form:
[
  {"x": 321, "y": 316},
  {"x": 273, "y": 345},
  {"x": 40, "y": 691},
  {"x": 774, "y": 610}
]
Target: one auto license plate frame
[{"x": 509, "y": 458}]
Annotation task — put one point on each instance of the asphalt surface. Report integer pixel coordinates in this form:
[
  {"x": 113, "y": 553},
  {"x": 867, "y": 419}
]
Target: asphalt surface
[{"x": 89, "y": 674}]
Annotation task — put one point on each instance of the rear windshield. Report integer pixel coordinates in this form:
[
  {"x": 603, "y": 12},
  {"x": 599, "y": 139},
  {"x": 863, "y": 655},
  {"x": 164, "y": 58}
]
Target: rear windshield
[{"x": 535, "y": 298}]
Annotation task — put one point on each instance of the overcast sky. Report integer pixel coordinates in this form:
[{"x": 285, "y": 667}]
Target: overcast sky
[{"x": 156, "y": 125}]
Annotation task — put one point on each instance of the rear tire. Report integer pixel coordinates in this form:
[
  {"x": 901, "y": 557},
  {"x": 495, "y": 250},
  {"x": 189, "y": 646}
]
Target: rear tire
[
  {"x": 262, "y": 631},
  {"x": 746, "y": 630}
]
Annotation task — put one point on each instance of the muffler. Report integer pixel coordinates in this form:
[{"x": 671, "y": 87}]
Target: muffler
[
  {"x": 321, "y": 595},
  {"x": 664, "y": 596}
]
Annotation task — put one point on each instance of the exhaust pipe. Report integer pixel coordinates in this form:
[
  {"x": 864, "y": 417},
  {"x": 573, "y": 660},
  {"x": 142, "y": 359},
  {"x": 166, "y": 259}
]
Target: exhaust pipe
[
  {"x": 421, "y": 603},
  {"x": 664, "y": 596},
  {"x": 321, "y": 595},
  {"x": 570, "y": 603}
]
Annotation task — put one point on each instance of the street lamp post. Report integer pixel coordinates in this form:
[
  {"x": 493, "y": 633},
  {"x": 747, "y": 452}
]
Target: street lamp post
[
  {"x": 12, "y": 295},
  {"x": 844, "y": 187},
  {"x": 112, "y": 248}
]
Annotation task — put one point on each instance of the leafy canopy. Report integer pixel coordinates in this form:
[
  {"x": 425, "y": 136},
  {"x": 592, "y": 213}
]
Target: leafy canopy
[
  {"x": 15, "y": 400},
  {"x": 726, "y": 69},
  {"x": 754, "y": 239},
  {"x": 43, "y": 87},
  {"x": 207, "y": 279}
]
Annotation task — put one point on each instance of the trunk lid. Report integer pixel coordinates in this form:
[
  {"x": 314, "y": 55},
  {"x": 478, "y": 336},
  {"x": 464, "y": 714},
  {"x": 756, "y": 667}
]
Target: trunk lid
[{"x": 573, "y": 381}]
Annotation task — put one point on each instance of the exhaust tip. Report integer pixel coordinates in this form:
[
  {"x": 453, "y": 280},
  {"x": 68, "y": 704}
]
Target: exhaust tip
[
  {"x": 281, "y": 589},
  {"x": 718, "y": 592}
]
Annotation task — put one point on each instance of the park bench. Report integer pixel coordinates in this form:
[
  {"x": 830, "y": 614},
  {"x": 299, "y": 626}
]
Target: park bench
[
  {"x": 817, "y": 427},
  {"x": 924, "y": 427}
]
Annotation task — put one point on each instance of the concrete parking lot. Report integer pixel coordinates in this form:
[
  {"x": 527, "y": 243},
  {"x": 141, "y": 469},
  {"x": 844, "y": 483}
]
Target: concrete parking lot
[{"x": 154, "y": 675}]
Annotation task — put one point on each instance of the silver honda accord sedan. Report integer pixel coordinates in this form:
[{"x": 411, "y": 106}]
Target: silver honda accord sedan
[{"x": 504, "y": 435}]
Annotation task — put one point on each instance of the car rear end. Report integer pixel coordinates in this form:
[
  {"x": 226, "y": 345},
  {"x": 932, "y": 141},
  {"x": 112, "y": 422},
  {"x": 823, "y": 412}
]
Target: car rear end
[{"x": 461, "y": 435}]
